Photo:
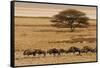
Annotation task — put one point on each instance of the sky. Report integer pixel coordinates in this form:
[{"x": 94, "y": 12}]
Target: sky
[{"x": 48, "y": 10}]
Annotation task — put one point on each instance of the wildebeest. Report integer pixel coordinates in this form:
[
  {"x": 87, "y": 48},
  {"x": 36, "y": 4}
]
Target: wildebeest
[
  {"x": 87, "y": 49},
  {"x": 62, "y": 51},
  {"x": 74, "y": 50},
  {"x": 28, "y": 52},
  {"x": 93, "y": 50},
  {"x": 40, "y": 52},
  {"x": 34, "y": 52},
  {"x": 53, "y": 51}
]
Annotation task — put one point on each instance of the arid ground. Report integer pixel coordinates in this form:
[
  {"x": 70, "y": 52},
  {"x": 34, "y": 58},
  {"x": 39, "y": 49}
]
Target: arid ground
[{"x": 37, "y": 33}]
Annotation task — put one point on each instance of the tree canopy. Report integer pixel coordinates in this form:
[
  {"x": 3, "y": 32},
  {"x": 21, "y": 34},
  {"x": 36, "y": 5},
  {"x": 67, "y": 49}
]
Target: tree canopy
[{"x": 70, "y": 17}]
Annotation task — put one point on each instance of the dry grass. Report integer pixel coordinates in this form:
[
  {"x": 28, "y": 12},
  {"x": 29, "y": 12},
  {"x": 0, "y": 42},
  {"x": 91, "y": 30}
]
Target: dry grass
[{"x": 30, "y": 33}]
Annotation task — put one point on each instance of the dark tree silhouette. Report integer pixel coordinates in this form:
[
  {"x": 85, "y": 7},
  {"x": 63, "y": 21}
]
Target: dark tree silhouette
[{"x": 69, "y": 18}]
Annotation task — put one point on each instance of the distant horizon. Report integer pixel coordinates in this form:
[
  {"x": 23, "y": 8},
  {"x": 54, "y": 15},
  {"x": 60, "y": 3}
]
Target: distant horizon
[
  {"x": 42, "y": 17},
  {"x": 48, "y": 10}
]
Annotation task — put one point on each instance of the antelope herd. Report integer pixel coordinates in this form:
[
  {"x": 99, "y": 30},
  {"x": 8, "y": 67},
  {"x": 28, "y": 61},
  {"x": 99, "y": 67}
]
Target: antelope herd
[{"x": 58, "y": 52}]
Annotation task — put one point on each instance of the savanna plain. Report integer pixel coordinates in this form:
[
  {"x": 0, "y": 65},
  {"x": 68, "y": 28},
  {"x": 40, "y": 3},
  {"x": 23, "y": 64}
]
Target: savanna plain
[{"x": 37, "y": 33}]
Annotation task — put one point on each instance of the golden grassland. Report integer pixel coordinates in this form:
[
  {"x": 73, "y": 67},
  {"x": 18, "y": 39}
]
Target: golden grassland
[{"x": 36, "y": 33}]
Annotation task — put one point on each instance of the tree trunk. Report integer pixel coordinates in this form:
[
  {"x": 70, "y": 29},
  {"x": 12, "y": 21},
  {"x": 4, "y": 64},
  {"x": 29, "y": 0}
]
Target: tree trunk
[{"x": 72, "y": 28}]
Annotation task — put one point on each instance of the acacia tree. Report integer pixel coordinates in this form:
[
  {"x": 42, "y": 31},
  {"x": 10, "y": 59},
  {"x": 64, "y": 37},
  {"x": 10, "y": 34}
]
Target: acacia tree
[{"x": 70, "y": 17}]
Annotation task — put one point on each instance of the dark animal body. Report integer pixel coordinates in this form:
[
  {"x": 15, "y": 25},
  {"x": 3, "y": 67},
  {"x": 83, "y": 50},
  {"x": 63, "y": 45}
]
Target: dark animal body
[
  {"x": 87, "y": 49},
  {"x": 28, "y": 52},
  {"x": 53, "y": 51},
  {"x": 73, "y": 50},
  {"x": 62, "y": 51},
  {"x": 34, "y": 52},
  {"x": 40, "y": 52}
]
